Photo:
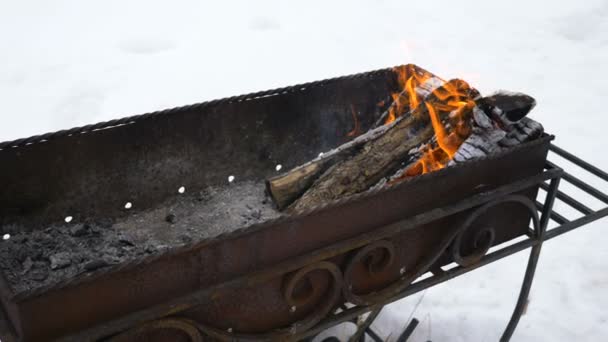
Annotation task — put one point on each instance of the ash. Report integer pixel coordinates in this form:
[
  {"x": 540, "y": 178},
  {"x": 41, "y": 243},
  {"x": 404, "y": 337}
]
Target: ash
[
  {"x": 208, "y": 213},
  {"x": 47, "y": 256}
]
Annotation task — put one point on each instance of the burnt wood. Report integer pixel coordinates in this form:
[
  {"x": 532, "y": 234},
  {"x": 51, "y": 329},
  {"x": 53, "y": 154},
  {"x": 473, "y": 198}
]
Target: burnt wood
[
  {"x": 379, "y": 157},
  {"x": 287, "y": 187},
  {"x": 380, "y": 154}
]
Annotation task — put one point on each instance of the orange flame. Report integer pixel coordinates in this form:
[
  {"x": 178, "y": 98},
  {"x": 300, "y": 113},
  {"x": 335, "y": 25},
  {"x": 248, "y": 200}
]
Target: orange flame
[
  {"x": 452, "y": 98},
  {"x": 409, "y": 79},
  {"x": 356, "y": 128}
]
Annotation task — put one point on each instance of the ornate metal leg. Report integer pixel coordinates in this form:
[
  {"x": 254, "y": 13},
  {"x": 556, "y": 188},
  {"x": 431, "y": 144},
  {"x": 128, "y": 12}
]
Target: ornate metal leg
[
  {"x": 409, "y": 330},
  {"x": 363, "y": 326},
  {"x": 523, "y": 294},
  {"x": 532, "y": 261}
]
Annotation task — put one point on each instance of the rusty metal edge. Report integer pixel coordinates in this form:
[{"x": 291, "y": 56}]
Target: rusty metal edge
[{"x": 205, "y": 104}]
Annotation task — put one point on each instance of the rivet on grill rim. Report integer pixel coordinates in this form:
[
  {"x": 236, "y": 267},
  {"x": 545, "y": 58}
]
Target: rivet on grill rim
[
  {"x": 402, "y": 270},
  {"x": 6, "y": 236},
  {"x": 128, "y": 205},
  {"x": 230, "y": 179},
  {"x": 229, "y": 330},
  {"x": 292, "y": 309},
  {"x": 68, "y": 219},
  {"x": 278, "y": 167},
  {"x": 181, "y": 189}
]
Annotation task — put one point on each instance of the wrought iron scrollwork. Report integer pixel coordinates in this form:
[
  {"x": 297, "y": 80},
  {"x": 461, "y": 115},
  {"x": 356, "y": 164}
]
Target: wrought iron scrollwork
[
  {"x": 483, "y": 237},
  {"x": 377, "y": 257},
  {"x": 480, "y": 242},
  {"x": 467, "y": 244},
  {"x": 380, "y": 254},
  {"x": 329, "y": 300},
  {"x": 294, "y": 297}
]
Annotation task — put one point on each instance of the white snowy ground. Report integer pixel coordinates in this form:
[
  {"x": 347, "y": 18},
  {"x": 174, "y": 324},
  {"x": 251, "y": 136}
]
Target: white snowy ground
[{"x": 66, "y": 63}]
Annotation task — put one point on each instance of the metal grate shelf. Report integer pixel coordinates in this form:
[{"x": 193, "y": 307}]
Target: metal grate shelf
[{"x": 549, "y": 181}]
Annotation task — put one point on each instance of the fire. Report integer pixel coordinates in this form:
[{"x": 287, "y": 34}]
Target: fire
[
  {"x": 356, "y": 128},
  {"x": 450, "y": 99},
  {"x": 409, "y": 80}
]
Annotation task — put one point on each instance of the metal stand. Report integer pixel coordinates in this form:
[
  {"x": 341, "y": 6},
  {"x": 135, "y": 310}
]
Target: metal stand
[
  {"x": 363, "y": 309},
  {"x": 536, "y": 238}
]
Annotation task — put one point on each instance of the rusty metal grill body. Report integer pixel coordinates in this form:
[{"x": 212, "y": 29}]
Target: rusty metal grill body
[{"x": 284, "y": 279}]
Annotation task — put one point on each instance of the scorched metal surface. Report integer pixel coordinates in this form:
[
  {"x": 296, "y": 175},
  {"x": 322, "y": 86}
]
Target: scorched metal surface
[{"x": 275, "y": 280}]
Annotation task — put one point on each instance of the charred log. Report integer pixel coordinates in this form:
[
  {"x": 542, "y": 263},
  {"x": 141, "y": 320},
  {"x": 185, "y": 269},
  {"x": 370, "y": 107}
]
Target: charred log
[
  {"x": 513, "y": 128},
  {"x": 377, "y": 158},
  {"x": 285, "y": 188},
  {"x": 493, "y": 130},
  {"x": 388, "y": 152}
]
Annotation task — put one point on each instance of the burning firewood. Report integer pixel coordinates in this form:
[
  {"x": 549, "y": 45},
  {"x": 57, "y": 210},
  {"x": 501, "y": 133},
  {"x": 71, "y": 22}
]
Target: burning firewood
[
  {"x": 430, "y": 125},
  {"x": 287, "y": 187}
]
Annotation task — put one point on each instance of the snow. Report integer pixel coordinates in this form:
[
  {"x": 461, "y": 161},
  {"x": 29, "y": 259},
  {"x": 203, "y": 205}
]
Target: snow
[{"x": 68, "y": 63}]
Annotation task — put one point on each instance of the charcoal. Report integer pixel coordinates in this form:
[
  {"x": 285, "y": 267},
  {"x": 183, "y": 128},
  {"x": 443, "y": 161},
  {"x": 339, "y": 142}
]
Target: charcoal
[
  {"x": 171, "y": 218},
  {"x": 126, "y": 239},
  {"x": 256, "y": 214},
  {"x": 162, "y": 247},
  {"x": 20, "y": 254},
  {"x": 96, "y": 230},
  {"x": 205, "y": 195},
  {"x": 114, "y": 250},
  {"x": 489, "y": 140},
  {"x": 60, "y": 260},
  {"x": 481, "y": 119},
  {"x": 39, "y": 272},
  {"x": 27, "y": 265},
  {"x": 61, "y": 252},
  {"x": 95, "y": 265},
  {"x": 36, "y": 251},
  {"x": 79, "y": 230}
]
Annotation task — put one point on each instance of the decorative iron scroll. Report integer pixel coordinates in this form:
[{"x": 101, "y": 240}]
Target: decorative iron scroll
[
  {"x": 294, "y": 301},
  {"x": 376, "y": 257},
  {"x": 481, "y": 241},
  {"x": 290, "y": 282}
]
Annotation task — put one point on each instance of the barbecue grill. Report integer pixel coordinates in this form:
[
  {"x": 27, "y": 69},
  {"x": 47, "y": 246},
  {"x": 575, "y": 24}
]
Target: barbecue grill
[{"x": 288, "y": 278}]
